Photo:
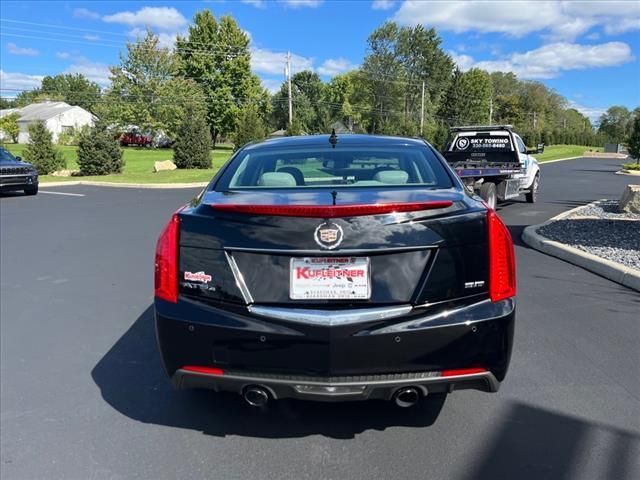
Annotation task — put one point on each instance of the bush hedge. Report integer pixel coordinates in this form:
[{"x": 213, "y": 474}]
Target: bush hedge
[
  {"x": 193, "y": 143},
  {"x": 40, "y": 151},
  {"x": 99, "y": 153}
]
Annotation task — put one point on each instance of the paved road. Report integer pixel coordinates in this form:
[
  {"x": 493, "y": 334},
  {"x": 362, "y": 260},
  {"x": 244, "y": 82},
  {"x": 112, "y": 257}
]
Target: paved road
[{"x": 83, "y": 394}]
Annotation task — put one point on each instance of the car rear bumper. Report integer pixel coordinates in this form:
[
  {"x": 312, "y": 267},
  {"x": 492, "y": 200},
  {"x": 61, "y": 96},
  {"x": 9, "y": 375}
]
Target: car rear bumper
[
  {"x": 365, "y": 387},
  {"x": 426, "y": 348}
]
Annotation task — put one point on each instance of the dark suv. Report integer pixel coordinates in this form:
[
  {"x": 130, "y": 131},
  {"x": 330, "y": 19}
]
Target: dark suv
[{"x": 16, "y": 174}]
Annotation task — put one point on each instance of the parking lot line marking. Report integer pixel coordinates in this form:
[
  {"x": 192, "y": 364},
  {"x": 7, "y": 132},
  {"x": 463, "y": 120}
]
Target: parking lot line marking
[{"x": 64, "y": 193}]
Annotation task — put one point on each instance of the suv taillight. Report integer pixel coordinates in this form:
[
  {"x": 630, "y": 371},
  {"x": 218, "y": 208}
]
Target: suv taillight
[
  {"x": 166, "y": 276},
  {"x": 502, "y": 261}
]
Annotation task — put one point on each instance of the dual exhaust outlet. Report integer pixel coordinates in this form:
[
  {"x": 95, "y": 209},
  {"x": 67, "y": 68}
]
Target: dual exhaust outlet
[{"x": 258, "y": 396}]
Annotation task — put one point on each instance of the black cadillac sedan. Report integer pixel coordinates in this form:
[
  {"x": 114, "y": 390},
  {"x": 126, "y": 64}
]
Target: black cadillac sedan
[
  {"x": 16, "y": 174},
  {"x": 336, "y": 268}
]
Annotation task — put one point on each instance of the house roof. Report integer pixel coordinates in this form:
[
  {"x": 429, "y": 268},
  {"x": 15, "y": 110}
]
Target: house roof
[{"x": 38, "y": 111}]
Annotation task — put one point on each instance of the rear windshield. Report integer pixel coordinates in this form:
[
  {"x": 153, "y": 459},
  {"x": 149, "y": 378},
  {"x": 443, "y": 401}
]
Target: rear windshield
[
  {"x": 481, "y": 142},
  {"x": 344, "y": 167}
]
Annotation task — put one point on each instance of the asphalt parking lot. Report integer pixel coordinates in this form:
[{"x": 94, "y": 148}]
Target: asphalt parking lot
[{"x": 83, "y": 394}]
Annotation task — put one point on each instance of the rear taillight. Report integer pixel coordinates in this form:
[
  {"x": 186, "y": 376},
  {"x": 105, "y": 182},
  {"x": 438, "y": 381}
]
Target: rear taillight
[
  {"x": 166, "y": 277},
  {"x": 502, "y": 261},
  {"x": 331, "y": 211}
]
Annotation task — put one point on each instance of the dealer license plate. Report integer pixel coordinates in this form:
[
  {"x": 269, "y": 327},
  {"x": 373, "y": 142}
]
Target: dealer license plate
[{"x": 330, "y": 278}]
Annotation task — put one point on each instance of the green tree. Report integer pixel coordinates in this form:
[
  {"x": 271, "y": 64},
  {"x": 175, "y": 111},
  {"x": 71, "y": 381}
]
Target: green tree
[
  {"x": 75, "y": 89},
  {"x": 616, "y": 123},
  {"x": 385, "y": 78},
  {"x": 399, "y": 61},
  {"x": 7, "y": 103},
  {"x": 145, "y": 90},
  {"x": 468, "y": 99},
  {"x": 634, "y": 139},
  {"x": 309, "y": 103},
  {"x": 295, "y": 127},
  {"x": 193, "y": 143},
  {"x": 215, "y": 53},
  {"x": 250, "y": 127},
  {"x": 347, "y": 97},
  {"x": 423, "y": 60},
  {"x": 40, "y": 151},
  {"x": 9, "y": 125},
  {"x": 98, "y": 152}
]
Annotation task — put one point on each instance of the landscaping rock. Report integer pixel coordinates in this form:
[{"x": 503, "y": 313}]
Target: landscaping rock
[
  {"x": 64, "y": 173},
  {"x": 630, "y": 201},
  {"x": 162, "y": 166}
]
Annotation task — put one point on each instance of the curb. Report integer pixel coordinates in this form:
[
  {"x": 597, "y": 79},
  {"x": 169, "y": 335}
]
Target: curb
[
  {"x": 124, "y": 185},
  {"x": 634, "y": 173},
  {"x": 616, "y": 272}
]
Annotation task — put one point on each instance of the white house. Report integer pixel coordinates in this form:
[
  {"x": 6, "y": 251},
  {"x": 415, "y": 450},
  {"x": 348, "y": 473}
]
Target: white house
[{"x": 57, "y": 117}]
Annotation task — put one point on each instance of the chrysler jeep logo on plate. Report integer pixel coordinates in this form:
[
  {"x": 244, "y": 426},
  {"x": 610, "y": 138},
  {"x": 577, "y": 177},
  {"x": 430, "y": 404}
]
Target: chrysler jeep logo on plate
[{"x": 328, "y": 235}]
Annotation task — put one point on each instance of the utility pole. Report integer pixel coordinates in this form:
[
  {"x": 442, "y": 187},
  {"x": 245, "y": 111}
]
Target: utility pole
[
  {"x": 535, "y": 120},
  {"x": 564, "y": 123},
  {"x": 491, "y": 111},
  {"x": 422, "y": 112},
  {"x": 289, "y": 81}
]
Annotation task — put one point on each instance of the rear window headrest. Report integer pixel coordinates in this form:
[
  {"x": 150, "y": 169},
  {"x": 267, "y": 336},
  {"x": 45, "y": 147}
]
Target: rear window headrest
[
  {"x": 276, "y": 179},
  {"x": 392, "y": 176}
]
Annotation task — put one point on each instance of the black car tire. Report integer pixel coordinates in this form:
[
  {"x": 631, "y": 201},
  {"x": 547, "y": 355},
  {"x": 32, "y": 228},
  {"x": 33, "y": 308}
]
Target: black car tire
[
  {"x": 489, "y": 194},
  {"x": 532, "y": 195},
  {"x": 31, "y": 190}
]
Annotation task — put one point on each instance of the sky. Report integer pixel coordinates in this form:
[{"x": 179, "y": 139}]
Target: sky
[{"x": 588, "y": 51}]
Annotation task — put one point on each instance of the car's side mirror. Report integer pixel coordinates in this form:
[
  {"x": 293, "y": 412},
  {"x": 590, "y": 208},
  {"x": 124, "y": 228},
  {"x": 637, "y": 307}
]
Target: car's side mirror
[{"x": 19, "y": 159}]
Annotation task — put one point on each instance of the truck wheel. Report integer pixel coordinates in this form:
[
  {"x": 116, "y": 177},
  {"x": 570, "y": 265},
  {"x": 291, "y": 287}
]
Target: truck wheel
[
  {"x": 489, "y": 194},
  {"x": 31, "y": 190},
  {"x": 532, "y": 195}
]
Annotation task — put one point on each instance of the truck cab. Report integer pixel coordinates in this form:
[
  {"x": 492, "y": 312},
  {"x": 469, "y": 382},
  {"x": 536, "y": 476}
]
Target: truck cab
[{"x": 494, "y": 162}]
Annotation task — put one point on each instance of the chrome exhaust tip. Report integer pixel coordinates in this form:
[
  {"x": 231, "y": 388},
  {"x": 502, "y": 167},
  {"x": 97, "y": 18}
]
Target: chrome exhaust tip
[
  {"x": 406, "y": 397},
  {"x": 256, "y": 396}
]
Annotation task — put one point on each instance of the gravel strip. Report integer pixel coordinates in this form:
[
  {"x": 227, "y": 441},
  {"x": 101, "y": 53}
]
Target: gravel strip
[{"x": 599, "y": 229}]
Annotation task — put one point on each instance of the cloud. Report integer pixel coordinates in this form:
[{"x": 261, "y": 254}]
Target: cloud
[
  {"x": 63, "y": 55},
  {"x": 272, "y": 84},
  {"x": 464, "y": 62},
  {"x": 18, "y": 81},
  {"x": 334, "y": 66},
  {"x": 382, "y": 4},
  {"x": 96, "y": 72},
  {"x": 85, "y": 13},
  {"x": 14, "y": 49},
  {"x": 273, "y": 63},
  {"x": 255, "y": 3},
  {"x": 592, "y": 113},
  {"x": 165, "y": 18},
  {"x": 557, "y": 19},
  {"x": 91, "y": 37},
  {"x": 302, "y": 3},
  {"x": 552, "y": 59},
  {"x": 165, "y": 40}
]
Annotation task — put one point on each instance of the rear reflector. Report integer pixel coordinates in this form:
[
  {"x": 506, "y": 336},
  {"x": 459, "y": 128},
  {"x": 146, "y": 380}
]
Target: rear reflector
[
  {"x": 502, "y": 262},
  {"x": 331, "y": 211},
  {"x": 461, "y": 371},
  {"x": 166, "y": 274},
  {"x": 207, "y": 370}
]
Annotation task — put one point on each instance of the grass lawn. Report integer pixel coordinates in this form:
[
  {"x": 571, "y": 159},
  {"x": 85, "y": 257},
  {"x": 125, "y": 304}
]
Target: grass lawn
[
  {"x": 138, "y": 166},
  {"x": 555, "y": 152}
]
